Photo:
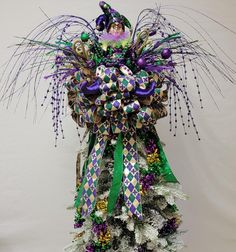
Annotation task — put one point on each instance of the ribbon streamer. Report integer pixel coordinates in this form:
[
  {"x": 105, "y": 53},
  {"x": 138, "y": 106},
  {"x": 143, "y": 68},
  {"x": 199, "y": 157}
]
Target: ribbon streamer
[
  {"x": 88, "y": 189},
  {"x": 131, "y": 184},
  {"x": 117, "y": 175},
  {"x": 165, "y": 169}
]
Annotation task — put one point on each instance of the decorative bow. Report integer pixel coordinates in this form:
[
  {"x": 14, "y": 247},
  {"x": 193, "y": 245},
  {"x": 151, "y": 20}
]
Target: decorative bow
[{"x": 118, "y": 102}]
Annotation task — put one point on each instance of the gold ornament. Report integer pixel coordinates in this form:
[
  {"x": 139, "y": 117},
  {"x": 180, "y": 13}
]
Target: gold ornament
[
  {"x": 153, "y": 158},
  {"x": 102, "y": 205},
  {"x": 105, "y": 238}
]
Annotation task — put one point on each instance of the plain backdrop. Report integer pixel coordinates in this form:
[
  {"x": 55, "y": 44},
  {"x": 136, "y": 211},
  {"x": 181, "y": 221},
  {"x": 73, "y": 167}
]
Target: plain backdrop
[{"x": 37, "y": 180}]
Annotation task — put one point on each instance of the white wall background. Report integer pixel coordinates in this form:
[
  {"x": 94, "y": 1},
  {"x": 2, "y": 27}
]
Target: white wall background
[{"x": 36, "y": 179}]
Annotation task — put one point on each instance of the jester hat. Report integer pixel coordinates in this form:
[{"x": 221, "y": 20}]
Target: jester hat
[{"x": 109, "y": 17}]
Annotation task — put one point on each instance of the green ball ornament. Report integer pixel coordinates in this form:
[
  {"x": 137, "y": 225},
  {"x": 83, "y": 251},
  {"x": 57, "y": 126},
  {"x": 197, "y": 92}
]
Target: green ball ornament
[
  {"x": 159, "y": 62},
  {"x": 84, "y": 36}
]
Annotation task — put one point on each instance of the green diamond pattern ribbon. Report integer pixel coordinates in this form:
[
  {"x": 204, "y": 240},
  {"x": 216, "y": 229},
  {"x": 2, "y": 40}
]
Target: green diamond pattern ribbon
[
  {"x": 88, "y": 189},
  {"x": 131, "y": 177}
]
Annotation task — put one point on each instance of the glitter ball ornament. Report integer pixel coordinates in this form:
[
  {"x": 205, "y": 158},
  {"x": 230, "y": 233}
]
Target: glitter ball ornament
[{"x": 166, "y": 53}]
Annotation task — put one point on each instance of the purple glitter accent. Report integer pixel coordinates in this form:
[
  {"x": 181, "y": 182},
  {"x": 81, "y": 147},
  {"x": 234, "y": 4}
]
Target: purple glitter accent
[
  {"x": 158, "y": 69},
  {"x": 147, "y": 180},
  {"x": 89, "y": 248},
  {"x": 169, "y": 227},
  {"x": 78, "y": 225},
  {"x": 151, "y": 146},
  {"x": 99, "y": 228},
  {"x": 141, "y": 249}
]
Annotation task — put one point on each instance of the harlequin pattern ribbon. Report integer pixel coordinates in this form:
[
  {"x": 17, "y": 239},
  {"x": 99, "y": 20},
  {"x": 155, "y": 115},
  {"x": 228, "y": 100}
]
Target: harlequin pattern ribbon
[
  {"x": 131, "y": 184},
  {"x": 115, "y": 107},
  {"x": 89, "y": 185}
]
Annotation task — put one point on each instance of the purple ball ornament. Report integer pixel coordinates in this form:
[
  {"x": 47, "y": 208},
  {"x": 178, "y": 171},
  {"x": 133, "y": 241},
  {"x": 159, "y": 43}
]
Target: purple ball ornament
[
  {"x": 141, "y": 62},
  {"x": 166, "y": 53}
]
